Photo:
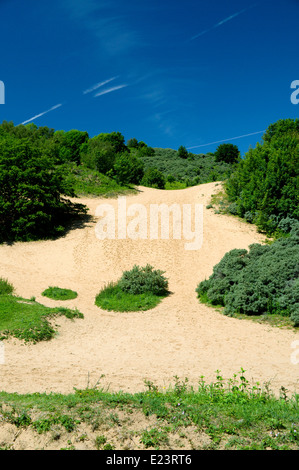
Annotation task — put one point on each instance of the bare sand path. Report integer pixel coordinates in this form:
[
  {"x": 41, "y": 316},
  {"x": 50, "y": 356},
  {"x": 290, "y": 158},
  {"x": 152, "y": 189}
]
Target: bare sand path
[{"x": 179, "y": 337}]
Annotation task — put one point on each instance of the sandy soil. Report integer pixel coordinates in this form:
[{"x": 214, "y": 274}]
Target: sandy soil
[{"x": 179, "y": 337}]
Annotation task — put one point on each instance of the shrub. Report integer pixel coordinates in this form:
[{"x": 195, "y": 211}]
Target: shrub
[
  {"x": 233, "y": 208},
  {"x": 5, "y": 287},
  {"x": 263, "y": 280},
  {"x": 140, "y": 280},
  {"x": 287, "y": 224},
  {"x": 153, "y": 178},
  {"x": 128, "y": 169},
  {"x": 248, "y": 216}
]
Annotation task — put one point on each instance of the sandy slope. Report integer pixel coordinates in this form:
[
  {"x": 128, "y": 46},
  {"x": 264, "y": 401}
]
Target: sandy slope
[{"x": 180, "y": 337}]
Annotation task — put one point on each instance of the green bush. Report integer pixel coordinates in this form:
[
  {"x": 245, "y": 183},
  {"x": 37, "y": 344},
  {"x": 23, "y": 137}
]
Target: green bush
[
  {"x": 128, "y": 169},
  {"x": 140, "y": 280},
  {"x": 153, "y": 178},
  {"x": 5, "y": 287},
  {"x": 263, "y": 280}
]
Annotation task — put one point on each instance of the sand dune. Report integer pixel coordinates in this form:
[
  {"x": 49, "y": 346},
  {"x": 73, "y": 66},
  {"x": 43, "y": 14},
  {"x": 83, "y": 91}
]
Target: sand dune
[{"x": 179, "y": 337}]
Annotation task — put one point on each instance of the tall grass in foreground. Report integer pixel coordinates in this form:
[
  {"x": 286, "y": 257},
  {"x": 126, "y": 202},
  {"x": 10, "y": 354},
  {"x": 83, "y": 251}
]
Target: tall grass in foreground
[{"x": 224, "y": 414}]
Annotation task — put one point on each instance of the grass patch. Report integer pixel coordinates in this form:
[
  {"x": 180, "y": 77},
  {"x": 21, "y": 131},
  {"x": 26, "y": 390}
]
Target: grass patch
[
  {"x": 112, "y": 297},
  {"x": 5, "y": 287},
  {"x": 28, "y": 320},
  {"x": 57, "y": 293},
  {"x": 225, "y": 414},
  {"x": 175, "y": 185},
  {"x": 87, "y": 182}
]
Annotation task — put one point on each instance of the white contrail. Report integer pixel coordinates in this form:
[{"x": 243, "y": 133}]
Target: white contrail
[
  {"x": 231, "y": 17},
  {"x": 98, "y": 85},
  {"x": 226, "y": 140},
  {"x": 109, "y": 90},
  {"x": 41, "y": 114}
]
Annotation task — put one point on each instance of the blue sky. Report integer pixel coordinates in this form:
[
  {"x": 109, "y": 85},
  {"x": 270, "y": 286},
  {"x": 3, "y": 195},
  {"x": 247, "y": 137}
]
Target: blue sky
[{"x": 167, "y": 72}]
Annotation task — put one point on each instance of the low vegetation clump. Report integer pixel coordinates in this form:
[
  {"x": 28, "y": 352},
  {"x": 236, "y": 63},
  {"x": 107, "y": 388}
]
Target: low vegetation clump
[
  {"x": 28, "y": 320},
  {"x": 153, "y": 178},
  {"x": 144, "y": 279},
  {"x": 57, "y": 293},
  {"x": 5, "y": 287},
  {"x": 261, "y": 281},
  {"x": 226, "y": 414},
  {"x": 141, "y": 288}
]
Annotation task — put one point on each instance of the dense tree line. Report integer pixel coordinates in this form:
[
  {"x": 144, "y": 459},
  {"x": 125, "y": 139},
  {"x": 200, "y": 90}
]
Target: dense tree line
[
  {"x": 264, "y": 188},
  {"x": 36, "y": 165},
  {"x": 32, "y": 194}
]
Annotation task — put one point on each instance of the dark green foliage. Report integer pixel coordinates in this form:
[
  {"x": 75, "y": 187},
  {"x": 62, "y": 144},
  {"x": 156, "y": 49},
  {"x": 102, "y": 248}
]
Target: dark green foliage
[
  {"x": 280, "y": 128},
  {"x": 116, "y": 139},
  {"x": 140, "y": 280},
  {"x": 31, "y": 195},
  {"x": 263, "y": 280},
  {"x": 182, "y": 152},
  {"x": 145, "y": 151},
  {"x": 153, "y": 178},
  {"x": 287, "y": 224},
  {"x": 98, "y": 155},
  {"x": 132, "y": 143},
  {"x": 227, "y": 153},
  {"x": 266, "y": 182},
  {"x": 128, "y": 169},
  {"x": 5, "y": 287},
  {"x": 70, "y": 145}
]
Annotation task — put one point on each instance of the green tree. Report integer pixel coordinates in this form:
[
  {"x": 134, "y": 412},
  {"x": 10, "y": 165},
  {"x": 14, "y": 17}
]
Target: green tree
[
  {"x": 228, "y": 153},
  {"x": 182, "y": 152},
  {"x": 132, "y": 143},
  {"x": 266, "y": 181},
  {"x": 154, "y": 179},
  {"x": 116, "y": 139},
  {"x": 128, "y": 169},
  {"x": 32, "y": 202},
  {"x": 71, "y": 143},
  {"x": 98, "y": 154}
]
